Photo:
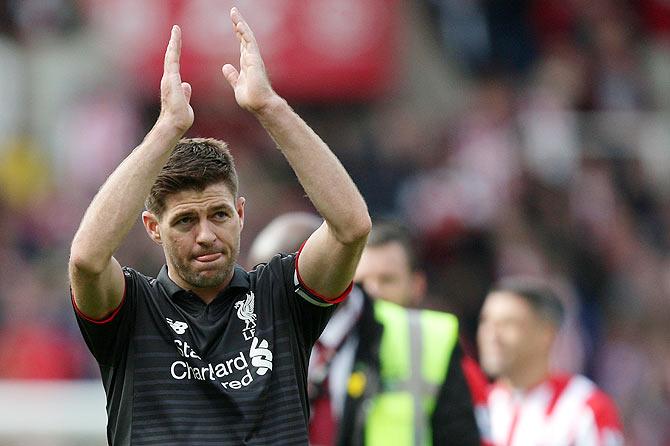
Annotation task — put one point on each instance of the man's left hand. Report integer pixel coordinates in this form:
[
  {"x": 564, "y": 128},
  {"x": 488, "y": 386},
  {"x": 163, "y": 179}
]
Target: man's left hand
[{"x": 253, "y": 91}]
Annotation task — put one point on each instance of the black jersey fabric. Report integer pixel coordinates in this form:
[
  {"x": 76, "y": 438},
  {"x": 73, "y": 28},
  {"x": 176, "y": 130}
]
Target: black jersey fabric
[{"x": 179, "y": 372}]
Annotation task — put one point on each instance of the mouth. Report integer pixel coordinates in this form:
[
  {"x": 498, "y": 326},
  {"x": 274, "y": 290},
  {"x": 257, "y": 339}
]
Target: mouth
[{"x": 208, "y": 258}]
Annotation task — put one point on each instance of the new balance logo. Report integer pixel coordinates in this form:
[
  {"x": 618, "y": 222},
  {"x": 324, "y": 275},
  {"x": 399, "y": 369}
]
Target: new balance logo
[{"x": 179, "y": 327}]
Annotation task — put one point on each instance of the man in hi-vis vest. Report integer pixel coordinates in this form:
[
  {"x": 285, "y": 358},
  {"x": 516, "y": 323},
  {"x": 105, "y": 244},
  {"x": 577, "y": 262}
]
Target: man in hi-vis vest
[
  {"x": 381, "y": 374},
  {"x": 406, "y": 385}
]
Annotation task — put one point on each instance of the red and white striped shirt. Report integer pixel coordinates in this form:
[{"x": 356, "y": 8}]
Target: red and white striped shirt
[{"x": 562, "y": 411}]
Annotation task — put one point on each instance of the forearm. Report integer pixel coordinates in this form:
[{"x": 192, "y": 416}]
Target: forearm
[
  {"x": 329, "y": 257},
  {"x": 320, "y": 173},
  {"x": 116, "y": 206}
]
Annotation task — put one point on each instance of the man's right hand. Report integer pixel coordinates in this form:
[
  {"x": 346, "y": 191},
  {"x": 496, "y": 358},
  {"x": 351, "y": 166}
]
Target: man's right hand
[{"x": 176, "y": 111}]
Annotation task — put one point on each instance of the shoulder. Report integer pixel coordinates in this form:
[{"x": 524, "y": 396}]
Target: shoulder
[
  {"x": 277, "y": 266},
  {"x": 275, "y": 276},
  {"x": 141, "y": 287},
  {"x": 440, "y": 319},
  {"x": 132, "y": 273},
  {"x": 138, "y": 279},
  {"x": 599, "y": 418},
  {"x": 601, "y": 406},
  {"x": 604, "y": 410}
]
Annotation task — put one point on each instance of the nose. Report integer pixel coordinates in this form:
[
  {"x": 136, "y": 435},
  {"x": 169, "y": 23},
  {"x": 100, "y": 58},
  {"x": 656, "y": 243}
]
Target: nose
[{"x": 206, "y": 235}]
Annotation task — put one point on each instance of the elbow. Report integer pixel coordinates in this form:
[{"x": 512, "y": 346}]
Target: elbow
[
  {"x": 365, "y": 227},
  {"x": 358, "y": 230},
  {"x": 83, "y": 264}
]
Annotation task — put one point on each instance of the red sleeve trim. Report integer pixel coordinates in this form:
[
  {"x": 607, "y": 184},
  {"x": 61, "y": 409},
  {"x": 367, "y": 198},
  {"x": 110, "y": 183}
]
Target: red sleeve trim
[
  {"x": 104, "y": 320},
  {"x": 330, "y": 300}
]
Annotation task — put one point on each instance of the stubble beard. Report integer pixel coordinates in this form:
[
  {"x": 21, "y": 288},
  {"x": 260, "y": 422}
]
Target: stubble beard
[{"x": 200, "y": 280}]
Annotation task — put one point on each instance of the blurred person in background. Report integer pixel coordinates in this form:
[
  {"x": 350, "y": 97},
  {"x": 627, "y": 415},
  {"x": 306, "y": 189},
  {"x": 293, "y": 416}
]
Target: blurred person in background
[
  {"x": 207, "y": 351},
  {"x": 393, "y": 372},
  {"x": 528, "y": 404},
  {"x": 284, "y": 234},
  {"x": 407, "y": 382}
]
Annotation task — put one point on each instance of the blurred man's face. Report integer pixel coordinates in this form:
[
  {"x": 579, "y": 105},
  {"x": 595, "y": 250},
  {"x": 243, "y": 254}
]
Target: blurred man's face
[
  {"x": 511, "y": 336},
  {"x": 384, "y": 272}
]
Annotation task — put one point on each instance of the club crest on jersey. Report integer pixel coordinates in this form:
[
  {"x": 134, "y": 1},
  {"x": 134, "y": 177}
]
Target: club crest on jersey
[
  {"x": 179, "y": 327},
  {"x": 245, "y": 311}
]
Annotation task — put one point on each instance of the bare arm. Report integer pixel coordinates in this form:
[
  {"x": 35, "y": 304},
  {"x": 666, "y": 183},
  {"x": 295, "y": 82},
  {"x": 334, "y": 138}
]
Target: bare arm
[
  {"x": 328, "y": 260},
  {"x": 95, "y": 276}
]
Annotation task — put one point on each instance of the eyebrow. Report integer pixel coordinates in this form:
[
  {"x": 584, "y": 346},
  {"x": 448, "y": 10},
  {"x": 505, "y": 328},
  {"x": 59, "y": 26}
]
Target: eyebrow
[
  {"x": 219, "y": 207},
  {"x": 178, "y": 216},
  {"x": 188, "y": 212}
]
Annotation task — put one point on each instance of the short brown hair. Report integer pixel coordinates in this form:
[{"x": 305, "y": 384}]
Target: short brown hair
[{"x": 194, "y": 164}]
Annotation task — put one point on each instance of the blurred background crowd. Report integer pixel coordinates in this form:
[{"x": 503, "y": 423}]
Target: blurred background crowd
[{"x": 512, "y": 136}]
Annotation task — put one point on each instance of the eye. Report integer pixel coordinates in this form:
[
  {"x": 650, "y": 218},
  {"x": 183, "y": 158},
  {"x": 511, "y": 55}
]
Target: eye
[
  {"x": 220, "y": 215},
  {"x": 183, "y": 221}
]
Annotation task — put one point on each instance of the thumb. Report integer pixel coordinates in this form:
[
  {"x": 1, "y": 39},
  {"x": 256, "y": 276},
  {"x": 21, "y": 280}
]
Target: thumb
[
  {"x": 186, "y": 88},
  {"x": 231, "y": 74}
]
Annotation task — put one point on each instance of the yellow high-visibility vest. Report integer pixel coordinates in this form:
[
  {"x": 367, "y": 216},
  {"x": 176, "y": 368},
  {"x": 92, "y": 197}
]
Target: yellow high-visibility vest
[{"x": 415, "y": 351}]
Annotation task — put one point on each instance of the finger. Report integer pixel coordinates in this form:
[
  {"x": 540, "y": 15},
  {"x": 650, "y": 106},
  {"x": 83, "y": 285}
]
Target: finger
[
  {"x": 231, "y": 74},
  {"x": 186, "y": 88},
  {"x": 173, "y": 51},
  {"x": 235, "y": 15},
  {"x": 242, "y": 28}
]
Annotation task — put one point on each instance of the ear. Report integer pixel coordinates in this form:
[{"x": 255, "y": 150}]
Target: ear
[
  {"x": 419, "y": 287},
  {"x": 240, "y": 210},
  {"x": 152, "y": 227}
]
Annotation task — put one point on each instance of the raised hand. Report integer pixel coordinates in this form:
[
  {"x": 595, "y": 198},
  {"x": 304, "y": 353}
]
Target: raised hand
[
  {"x": 175, "y": 94},
  {"x": 253, "y": 91}
]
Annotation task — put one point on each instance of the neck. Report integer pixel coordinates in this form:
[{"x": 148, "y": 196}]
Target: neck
[{"x": 528, "y": 376}]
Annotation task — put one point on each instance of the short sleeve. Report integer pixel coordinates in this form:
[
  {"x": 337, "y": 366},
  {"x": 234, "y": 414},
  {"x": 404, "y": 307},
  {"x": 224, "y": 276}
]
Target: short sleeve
[
  {"x": 108, "y": 338},
  {"x": 310, "y": 310},
  {"x": 312, "y": 296}
]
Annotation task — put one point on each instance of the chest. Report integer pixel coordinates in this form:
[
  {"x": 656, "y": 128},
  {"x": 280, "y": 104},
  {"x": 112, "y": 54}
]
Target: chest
[
  {"x": 535, "y": 419},
  {"x": 224, "y": 348}
]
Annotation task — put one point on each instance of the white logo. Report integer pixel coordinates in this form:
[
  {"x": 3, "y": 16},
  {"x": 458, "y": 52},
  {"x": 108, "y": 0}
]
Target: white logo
[
  {"x": 179, "y": 327},
  {"x": 245, "y": 311},
  {"x": 261, "y": 356}
]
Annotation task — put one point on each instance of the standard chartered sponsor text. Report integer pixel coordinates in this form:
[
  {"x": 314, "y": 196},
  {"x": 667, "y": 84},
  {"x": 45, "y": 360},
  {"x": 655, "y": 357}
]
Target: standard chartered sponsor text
[{"x": 182, "y": 369}]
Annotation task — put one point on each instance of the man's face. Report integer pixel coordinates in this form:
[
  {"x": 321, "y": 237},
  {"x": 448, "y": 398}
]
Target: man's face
[
  {"x": 511, "y": 336},
  {"x": 384, "y": 272},
  {"x": 200, "y": 234}
]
